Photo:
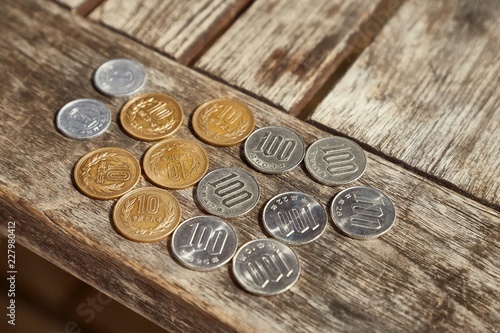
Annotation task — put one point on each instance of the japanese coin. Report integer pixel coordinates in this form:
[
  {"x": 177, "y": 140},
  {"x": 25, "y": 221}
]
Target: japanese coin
[
  {"x": 274, "y": 149},
  {"x": 147, "y": 214},
  {"x": 175, "y": 163},
  {"x": 294, "y": 218},
  {"x": 266, "y": 267},
  {"x": 335, "y": 161},
  {"x": 204, "y": 242},
  {"x": 223, "y": 122},
  {"x": 151, "y": 117},
  {"x": 228, "y": 192},
  {"x": 83, "y": 119},
  {"x": 119, "y": 77},
  {"x": 107, "y": 173},
  {"x": 363, "y": 212}
]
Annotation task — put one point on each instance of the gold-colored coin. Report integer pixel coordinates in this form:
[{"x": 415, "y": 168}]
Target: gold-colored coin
[
  {"x": 175, "y": 163},
  {"x": 151, "y": 117},
  {"x": 107, "y": 173},
  {"x": 223, "y": 122},
  {"x": 147, "y": 214}
]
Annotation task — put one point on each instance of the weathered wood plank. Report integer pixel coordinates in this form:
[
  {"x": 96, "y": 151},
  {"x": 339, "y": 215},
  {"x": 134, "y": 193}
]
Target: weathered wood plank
[
  {"x": 427, "y": 93},
  {"x": 436, "y": 270},
  {"x": 178, "y": 28},
  {"x": 283, "y": 52},
  {"x": 71, "y": 3}
]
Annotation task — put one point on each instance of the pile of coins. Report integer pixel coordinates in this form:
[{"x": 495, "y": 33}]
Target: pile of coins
[{"x": 265, "y": 266}]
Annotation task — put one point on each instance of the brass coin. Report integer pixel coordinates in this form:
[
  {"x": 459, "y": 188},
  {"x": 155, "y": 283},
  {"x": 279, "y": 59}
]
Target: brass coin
[
  {"x": 223, "y": 122},
  {"x": 175, "y": 163},
  {"x": 147, "y": 214},
  {"x": 151, "y": 117},
  {"x": 107, "y": 173}
]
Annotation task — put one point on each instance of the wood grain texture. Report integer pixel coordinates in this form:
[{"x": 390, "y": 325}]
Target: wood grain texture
[
  {"x": 71, "y": 3},
  {"x": 282, "y": 51},
  {"x": 178, "y": 28},
  {"x": 427, "y": 93},
  {"x": 437, "y": 270}
]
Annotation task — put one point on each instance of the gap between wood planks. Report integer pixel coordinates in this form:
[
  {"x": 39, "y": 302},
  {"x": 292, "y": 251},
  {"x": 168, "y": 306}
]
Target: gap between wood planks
[
  {"x": 406, "y": 166},
  {"x": 88, "y": 7},
  {"x": 362, "y": 40},
  {"x": 369, "y": 29},
  {"x": 222, "y": 31}
]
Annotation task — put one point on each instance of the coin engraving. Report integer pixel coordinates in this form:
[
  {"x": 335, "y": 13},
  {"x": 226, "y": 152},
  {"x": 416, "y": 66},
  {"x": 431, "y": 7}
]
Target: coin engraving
[
  {"x": 119, "y": 77},
  {"x": 151, "y": 117},
  {"x": 175, "y": 163},
  {"x": 363, "y": 212},
  {"x": 147, "y": 214},
  {"x": 266, "y": 267},
  {"x": 106, "y": 173},
  {"x": 274, "y": 150},
  {"x": 228, "y": 192},
  {"x": 83, "y": 118},
  {"x": 204, "y": 242},
  {"x": 335, "y": 161},
  {"x": 294, "y": 217},
  {"x": 223, "y": 122}
]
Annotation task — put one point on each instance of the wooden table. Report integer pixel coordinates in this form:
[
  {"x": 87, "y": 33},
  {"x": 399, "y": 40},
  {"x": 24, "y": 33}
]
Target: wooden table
[{"x": 415, "y": 83}]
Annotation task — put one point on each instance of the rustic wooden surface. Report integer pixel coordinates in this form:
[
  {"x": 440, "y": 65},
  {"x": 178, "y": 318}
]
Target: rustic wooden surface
[
  {"x": 178, "y": 28},
  {"x": 427, "y": 93},
  {"x": 282, "y": 52},
  {"x": 437, "y": 270},
  {"x": 54, "y": 301},
  {"x": 71, "y": 3}
]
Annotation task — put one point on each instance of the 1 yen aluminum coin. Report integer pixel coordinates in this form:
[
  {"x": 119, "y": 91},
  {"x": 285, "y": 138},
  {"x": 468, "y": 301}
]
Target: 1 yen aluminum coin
[
  {"x": 204, "y": 243},
  {"x": 266, "y": 267},
  {"x": 119, "y": 77},
  {"x": 294, "y": 218},
  {"x": 335, "y": 161},
  {"x": 363, "y": 212},
  {"x": 83, "y": 119},
  {"x": 274, "y": 149},
  {"x": 228, "y": 192}
]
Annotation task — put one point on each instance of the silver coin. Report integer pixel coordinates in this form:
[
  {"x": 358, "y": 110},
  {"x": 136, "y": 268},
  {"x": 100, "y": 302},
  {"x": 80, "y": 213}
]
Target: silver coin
[
  {"x": 83, "y": 118},
  {"x": 274, "y": 149},
  {"x": 204, "y": 242},
  {"x": 228, "y": 192},
  {"x": 363, "y": 212},
  {"x": 119, "y": 77},
  {"x": 294, "y": 218},
  {"x": 266, "y": 267},
  {"x": 335, "y": 161}
]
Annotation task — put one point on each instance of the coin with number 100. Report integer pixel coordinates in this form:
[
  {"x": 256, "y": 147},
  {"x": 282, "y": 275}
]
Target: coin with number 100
[
  {"x": 266, "y": 267},
  {"x": 204, "y": 242}
]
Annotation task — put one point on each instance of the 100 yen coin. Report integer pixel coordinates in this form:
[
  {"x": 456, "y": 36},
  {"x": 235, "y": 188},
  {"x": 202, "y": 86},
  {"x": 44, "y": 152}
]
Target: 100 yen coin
[
  {"x": 335, "y": 160},
  {"x": 228, "y": 192},
  {"x": 204, "y": 242},
  {"x": 274, "y": 149},
  {"x": 363, "y": 212},
  {"x": 266, "y": 267},
  {"x": 294, "y": 218}
]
